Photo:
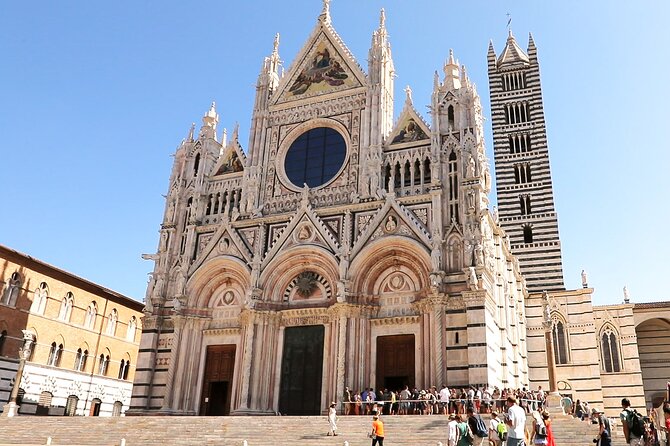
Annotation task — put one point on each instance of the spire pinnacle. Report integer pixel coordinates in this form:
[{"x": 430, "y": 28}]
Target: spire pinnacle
[
  {"x": 451, "y": 57},
  {"x": 275, "y": 47},
  {"x": 191, "y": 132},
  {"x": 325, "y": 12},
  {"x": 382, "y": 19}
]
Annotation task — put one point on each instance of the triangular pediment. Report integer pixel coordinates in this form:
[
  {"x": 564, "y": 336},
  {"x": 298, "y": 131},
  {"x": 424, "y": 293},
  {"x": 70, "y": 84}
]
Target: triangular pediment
[
  {"x": 226, "y": 241},
  {"x": 232, "y": 159},
  {"x": 410, "y": 129},
  {"x": 324, "y": 65},
  {"x": 305, "y": 228},
  {"x": 392, "y": 219}
]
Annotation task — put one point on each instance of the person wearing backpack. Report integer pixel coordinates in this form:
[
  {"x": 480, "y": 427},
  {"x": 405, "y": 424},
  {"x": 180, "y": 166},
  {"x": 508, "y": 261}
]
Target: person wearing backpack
[
  {"x": 495, "y": 428},
  {"x": 464, "y": 436},
  {"x": 478, "y": 427},
  {"x": 633, "y": 424},
  {"x": 539, "y": 435}
]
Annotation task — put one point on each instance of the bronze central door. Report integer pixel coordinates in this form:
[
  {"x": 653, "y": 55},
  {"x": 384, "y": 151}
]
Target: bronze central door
[
  {"x": 301, "y": 371},
  {"x": 217, "y": 385},
  {"x": 395, "y": 362}
]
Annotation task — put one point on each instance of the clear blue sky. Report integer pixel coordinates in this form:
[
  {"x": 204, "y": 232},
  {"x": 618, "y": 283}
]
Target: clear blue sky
[{"x": 96, "y": 96}]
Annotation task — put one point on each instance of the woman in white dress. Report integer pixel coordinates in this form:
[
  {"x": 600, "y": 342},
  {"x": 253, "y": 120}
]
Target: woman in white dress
[{"x": 332, "y": 419}]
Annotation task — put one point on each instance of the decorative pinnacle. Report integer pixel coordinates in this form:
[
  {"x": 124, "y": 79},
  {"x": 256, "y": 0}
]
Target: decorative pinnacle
[
  {"x": 451, "y": 57},
  {"x": 325, "y": 12},
  {"x": 275, "y": 49},
  {"x": 408, "y": 93},
  {"x": 382, "y": 18}
]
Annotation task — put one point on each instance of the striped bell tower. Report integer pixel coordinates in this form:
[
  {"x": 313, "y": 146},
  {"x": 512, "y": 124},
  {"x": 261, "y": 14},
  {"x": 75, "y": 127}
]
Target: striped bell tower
[{"x": 523, "y": 177}]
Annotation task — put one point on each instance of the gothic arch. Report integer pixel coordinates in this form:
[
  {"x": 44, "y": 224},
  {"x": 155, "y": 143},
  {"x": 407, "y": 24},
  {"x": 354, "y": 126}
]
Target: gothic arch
[
  {"x": 281, "y": 272},
  {"x": 561, "y": 336},
  {"x": 390, "y": 253},
  {"x": 609, "y": 344},
  {"x": 454, "y": 257},
  {"x": 215, "y": 274}
]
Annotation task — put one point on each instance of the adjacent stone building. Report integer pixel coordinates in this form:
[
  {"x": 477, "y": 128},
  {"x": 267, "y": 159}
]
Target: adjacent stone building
[
  {"x": 82, "y": 340},
  {"x": 341, "y": 248}
]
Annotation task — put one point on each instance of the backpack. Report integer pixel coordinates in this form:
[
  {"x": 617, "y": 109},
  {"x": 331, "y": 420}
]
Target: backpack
[
  {"x": 481, "y": 430},
  {"x": 501, "y": 428},
  {"x": 635, "y": 423}
]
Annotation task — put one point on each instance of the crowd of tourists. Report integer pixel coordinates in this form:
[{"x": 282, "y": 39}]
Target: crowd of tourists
[
  {"x": 508, "y": 410},
  {"x": 433, "y": 401}
]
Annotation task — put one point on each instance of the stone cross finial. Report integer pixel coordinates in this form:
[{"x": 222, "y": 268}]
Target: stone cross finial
[{"x": 408, "y": 93}]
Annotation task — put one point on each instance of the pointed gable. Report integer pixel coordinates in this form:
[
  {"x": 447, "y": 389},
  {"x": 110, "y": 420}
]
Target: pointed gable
[
  {"x": 324, "y": 65},
  {"x": 410, "y": 128},
  {"x": 231, "y": 160}
]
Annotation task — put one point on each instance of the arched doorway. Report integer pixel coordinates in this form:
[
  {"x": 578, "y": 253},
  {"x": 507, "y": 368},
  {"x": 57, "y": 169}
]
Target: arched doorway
[
  {"x": 301, "y": 371},
  {"x": 653, "y": 341}
]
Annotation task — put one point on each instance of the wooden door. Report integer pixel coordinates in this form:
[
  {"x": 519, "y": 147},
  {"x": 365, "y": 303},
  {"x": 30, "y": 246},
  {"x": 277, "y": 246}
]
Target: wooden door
[
  {"x": 395, "y": 362},
  {"x": 218, "y": 380}
]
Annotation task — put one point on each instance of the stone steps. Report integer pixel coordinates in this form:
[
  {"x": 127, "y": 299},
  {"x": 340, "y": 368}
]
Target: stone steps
[{"x": 258, "y": 431}]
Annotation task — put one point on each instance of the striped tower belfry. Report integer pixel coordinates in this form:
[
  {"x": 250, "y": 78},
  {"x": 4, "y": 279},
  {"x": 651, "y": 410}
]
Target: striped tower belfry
[{"x": 523, "y": 175}]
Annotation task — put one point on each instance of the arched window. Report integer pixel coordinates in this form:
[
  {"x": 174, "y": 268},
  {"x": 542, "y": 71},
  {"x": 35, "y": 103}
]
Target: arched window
[
  {"x": 80, "y": 360},
  {"x": 132, "y": 326},
  {"x": 524, "y": 202},
  {"x": 560, "y": 343},
  {"x": 453, "y": 187},
  {"x": 95, "y": 407},
  {"x": 123, "y": 369},
  {"x": 103, "y": 364},
  {"x": 66, "y": 307},
  {"x": 12, "y": 289},
  {"x": 55, "y": 354},
  {"x": 40, "y": 299},
  {"x": 407, "y": 174},
  {"x": 527, "y": 234},
  {"x": 44, "y": 403},
  {"x": 91, "y": 314},
  {"x": 3, "y": 336},
  {"x": 126, "y": 369},
  {"x": 196, "y": 165},
  {"x": 71, "y": 405},
  {"x": 450, "y": 117},
  {"x": 116, "y": 409},
  {"x": 112, "y": 319},
  {"x": 609, "y": 346}
]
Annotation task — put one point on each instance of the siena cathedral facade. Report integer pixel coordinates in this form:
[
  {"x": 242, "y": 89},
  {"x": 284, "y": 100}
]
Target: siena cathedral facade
[{"x": 340, "y": 248}]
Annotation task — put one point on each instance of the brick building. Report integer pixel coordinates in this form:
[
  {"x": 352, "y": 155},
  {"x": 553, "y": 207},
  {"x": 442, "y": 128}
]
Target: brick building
[{"x": 83, "y": 339}]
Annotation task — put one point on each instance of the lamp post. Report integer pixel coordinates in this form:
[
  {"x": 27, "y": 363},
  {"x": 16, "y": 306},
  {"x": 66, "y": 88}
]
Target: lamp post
[{"x": 11, "y": 409}]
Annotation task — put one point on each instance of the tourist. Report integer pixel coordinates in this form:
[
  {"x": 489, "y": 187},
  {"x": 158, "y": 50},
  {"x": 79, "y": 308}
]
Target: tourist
[
  {"x": 463, "y": 435},
  {"x": 452, "y": 430},
  {"x": 494, "y": 425},
  {"x": 332, "y": 419},
  {"x": 539, "y": 434},
  {"x": 347, "y": 401},
  {"x": 566, "y": 405},
  {"x": 631, "y": 423},
  {"x": 358, "y": 404},
  {"x": 444, "y": 399},
  {"x": 604, "y": 428},
  {"x": 405, "y": 396},
  {"x": 516, "y": 421},
  {"x": 666, "y": 423},
  {"x": 477, "y": 427},
  {"x": 377, "y": 433}
]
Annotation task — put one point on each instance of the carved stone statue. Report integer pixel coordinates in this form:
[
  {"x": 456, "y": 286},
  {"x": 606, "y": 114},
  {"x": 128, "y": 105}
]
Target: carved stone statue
[
  {"x": 472, "y": 279},
  {"x": 180, "y": 284},
  {"x": 471, "y": 167},
  {"x": 626, "y": 297},
  {"x": 391, "y": 223},
  {"x": 169, "y": 216},
  {"x": 496, "y": 216},
  {"x": 585, "y": 280},
  {"x": 479, "y": 254},
  {"x": 176, "y": 305},
  {"x": 547, "y": 307}
]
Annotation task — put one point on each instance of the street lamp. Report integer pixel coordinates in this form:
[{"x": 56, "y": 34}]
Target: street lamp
[{"x": 11, "y": 409}]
